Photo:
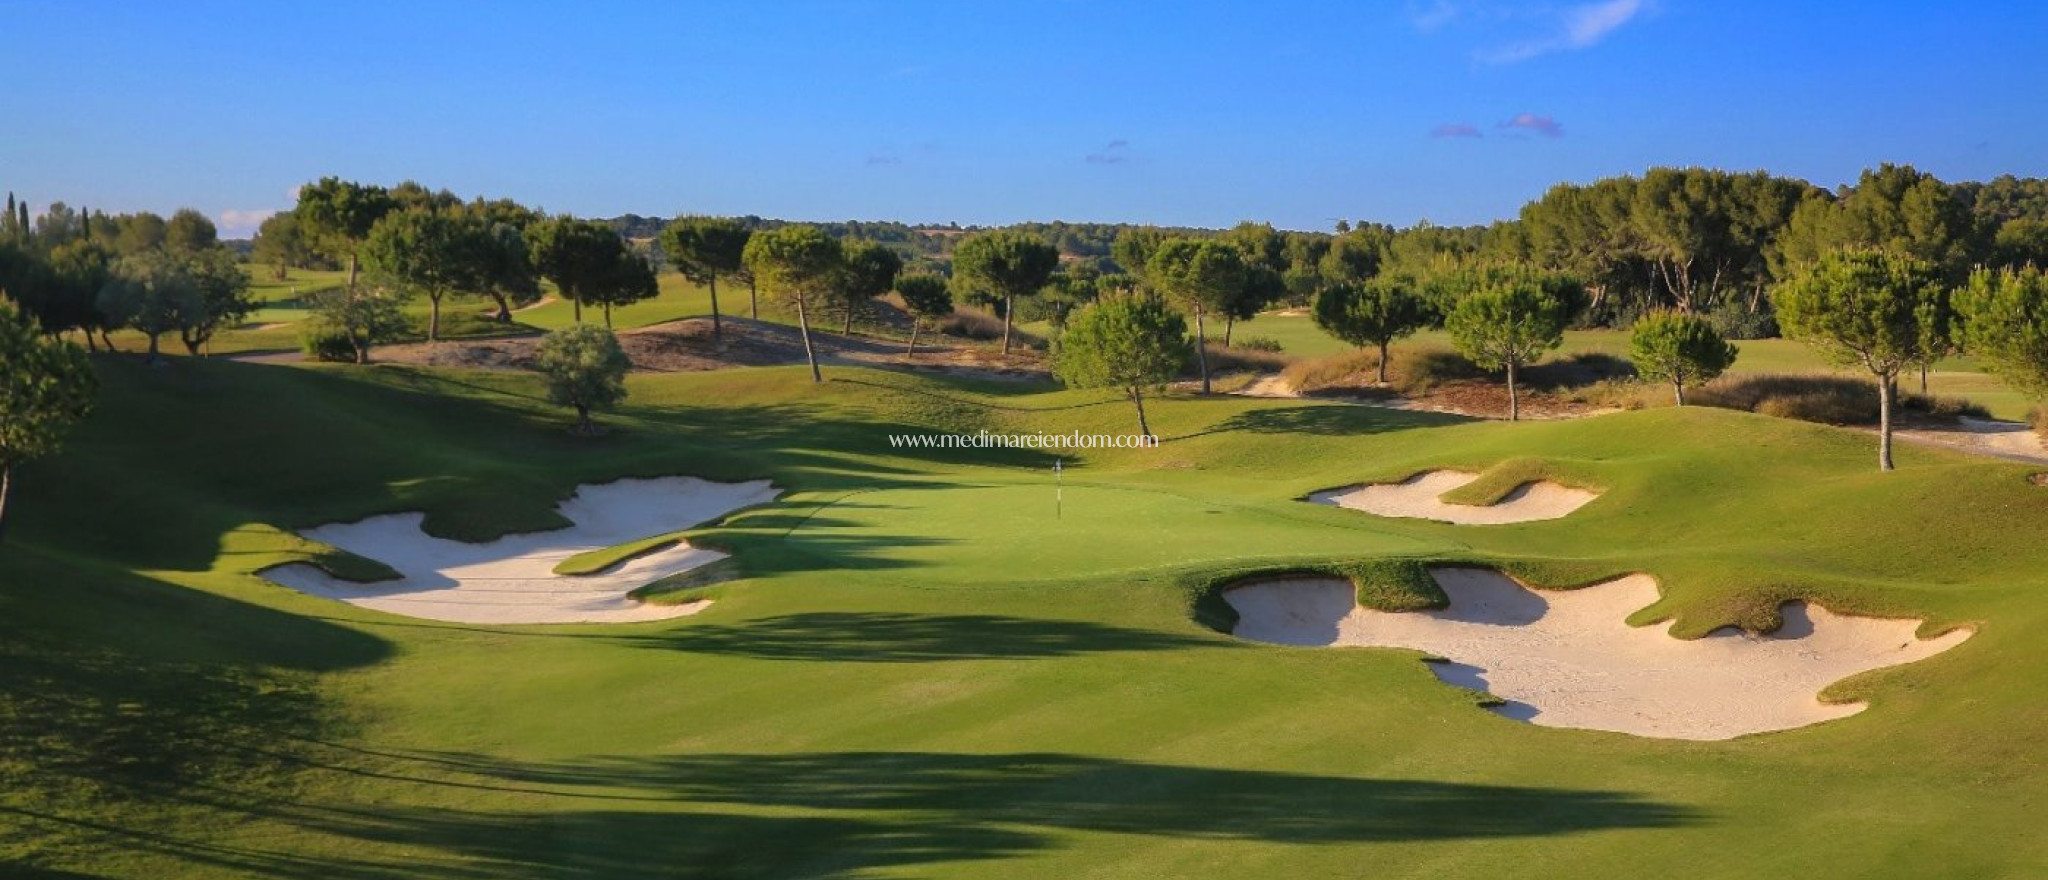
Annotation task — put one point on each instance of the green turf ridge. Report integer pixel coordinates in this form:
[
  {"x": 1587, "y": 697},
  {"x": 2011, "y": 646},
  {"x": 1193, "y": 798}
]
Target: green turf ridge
[{"x": 917, "y": 670}]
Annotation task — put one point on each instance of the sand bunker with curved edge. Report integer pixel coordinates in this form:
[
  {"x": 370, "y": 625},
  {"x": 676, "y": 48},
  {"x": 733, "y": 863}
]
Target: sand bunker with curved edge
[
  {"x": 1416, "y": 498},
  {"x": 1566, "y": 658},
  {"x": 512, "y": 579}
]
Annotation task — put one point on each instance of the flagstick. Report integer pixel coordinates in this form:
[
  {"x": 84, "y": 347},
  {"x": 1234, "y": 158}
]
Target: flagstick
[{"x": 1059, "y": 490}]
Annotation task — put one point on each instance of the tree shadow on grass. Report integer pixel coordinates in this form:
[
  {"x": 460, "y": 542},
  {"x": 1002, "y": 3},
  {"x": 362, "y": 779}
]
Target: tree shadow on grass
[
  {"x": 1331, "y": 420},
  {"x": 852, "y": 814},
  {"x": 893, "y": 637}
]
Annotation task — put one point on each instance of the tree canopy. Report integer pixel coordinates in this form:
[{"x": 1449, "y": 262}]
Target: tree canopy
[
  {"x": 705, "y": 249},
  {"x": 796, "y": 262},
  {"x": 1131, "y": 343},
  {"x": 1375, "y": 313},
  {"x": 585, "y": 369},
  {"x": 1003, "y": 267},
  {"x": 46, "y": 386},
  {"x": 1872, "y": 309},
  {"x": 1680, "y": 348},
  {"x": 1506, "y": 327}
]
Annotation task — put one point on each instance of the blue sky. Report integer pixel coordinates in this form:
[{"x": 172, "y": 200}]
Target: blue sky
[{"x": 979, "y": 111}]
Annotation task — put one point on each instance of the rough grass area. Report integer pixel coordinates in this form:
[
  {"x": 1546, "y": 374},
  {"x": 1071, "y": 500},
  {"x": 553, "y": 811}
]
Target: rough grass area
[
  {"x": 931, "y": 670},
  {"x": 1829, "y": 400}
]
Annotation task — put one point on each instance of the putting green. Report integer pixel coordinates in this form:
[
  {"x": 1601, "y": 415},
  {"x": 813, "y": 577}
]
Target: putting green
[{"x": 919, "y": 671}]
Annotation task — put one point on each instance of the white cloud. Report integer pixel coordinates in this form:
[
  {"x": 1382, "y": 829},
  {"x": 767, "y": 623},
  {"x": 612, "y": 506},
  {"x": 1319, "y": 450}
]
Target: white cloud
[
  {"x": 1559, "y": 28},
  {"x": 239, "y": 223}
]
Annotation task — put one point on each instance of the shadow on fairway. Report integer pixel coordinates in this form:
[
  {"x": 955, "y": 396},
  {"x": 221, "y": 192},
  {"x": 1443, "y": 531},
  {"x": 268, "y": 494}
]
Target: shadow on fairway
[
  {"x": 891, "y": 637},
  {"x": 1333, "y": 420},
  {"x": 852, "y": 814}
]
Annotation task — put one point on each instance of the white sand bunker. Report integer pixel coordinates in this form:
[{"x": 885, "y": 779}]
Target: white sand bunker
[
  {"x": 512, "y": 579},
  {"x": 1416, "y": 497},
  {"x": 1565, "y": 658}
]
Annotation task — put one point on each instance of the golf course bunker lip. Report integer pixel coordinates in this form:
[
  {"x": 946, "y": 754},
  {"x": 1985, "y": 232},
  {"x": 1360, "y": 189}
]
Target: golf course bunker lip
[
  {"x": 1417, "y": 497},
  {"x": 1567, "y": 658},
  {"x": 513, "y": 579}
]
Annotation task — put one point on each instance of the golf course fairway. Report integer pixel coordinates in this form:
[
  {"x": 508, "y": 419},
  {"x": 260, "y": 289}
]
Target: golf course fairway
[{"x": 918, "y": 663}]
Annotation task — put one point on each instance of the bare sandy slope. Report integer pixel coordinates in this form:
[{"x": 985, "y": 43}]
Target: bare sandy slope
[
  {"x": 1566, "y": 658},
  {"x": 1416, "y": 497},
  {"x": 512, "y": 579}
]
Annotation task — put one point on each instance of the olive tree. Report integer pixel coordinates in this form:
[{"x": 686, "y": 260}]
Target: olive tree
[
  {"x": 1681, "y": 348},
  {"x": 704, "y": 248},
  {"x": 585, "y": 369},
  {"x": 797, "y": 262},
  {"x": 1001, "y": 267},
  {"x": 1131, "y": 343},
  {"x": 1508, "y": 326},
  {"x": 927, "y": 298},
  {"x": 1870, "y": 309},
  {"x": 46, "y": 386},
  {"x": 1375, "y": 313},
  {"x": 365, "y": 316},
  {"x": 152, "y": 294}
]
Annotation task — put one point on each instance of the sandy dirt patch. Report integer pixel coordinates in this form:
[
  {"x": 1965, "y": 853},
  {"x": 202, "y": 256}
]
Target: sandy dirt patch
[
  {"x": 1417, "y": 498},
  {"x": 2009, "y": 440},
  {"x": 512, "y": 579},
  {"x": 1566, "y": 658}
]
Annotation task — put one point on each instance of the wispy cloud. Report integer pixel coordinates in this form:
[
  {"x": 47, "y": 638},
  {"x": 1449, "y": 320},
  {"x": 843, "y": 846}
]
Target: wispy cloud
[
  {"x": 1115, "y": 152},
  {"x": 1533, "y": 122},
  {"x": 875, "y": 159},
  {"x": 1456, "y": 130},
  {"x": 1572, "y": 28},
  {"x": 1432, "y": 16},
  {"x": 240, "y": 223}
]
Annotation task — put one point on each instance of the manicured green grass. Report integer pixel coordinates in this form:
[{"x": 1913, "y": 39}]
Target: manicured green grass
[{"x": 924, "y": 670}]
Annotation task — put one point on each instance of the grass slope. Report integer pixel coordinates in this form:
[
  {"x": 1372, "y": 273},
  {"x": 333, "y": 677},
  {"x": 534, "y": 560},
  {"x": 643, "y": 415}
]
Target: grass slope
[{"x": 920, "y": 671}]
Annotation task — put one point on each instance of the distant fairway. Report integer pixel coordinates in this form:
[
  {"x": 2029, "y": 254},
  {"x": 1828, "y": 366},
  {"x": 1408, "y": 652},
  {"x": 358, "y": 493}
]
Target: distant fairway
[{"x": 922, "y": 671}]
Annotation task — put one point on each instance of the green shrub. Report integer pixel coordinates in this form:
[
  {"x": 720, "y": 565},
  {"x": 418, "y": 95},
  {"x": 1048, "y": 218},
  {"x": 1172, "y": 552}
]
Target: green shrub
[
  {"x": 1411, "y": 371},
  {"x": 1943, "y": 407},
  {"x": 1257, "y": 343},
  {"x": 1735, "y": 321},
  {"x": 1825, "y": 407},
  {"x": 323, "y": 343}
]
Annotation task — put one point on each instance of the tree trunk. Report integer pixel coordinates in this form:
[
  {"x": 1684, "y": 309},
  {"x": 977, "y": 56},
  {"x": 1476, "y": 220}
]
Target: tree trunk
[
  {"x": 717, "y": 330},
  {"x": 362, "y": 347},
  {"x": 576, "y": 307},
  {"x": 1923, "y": 378},
  {"x": 753, "y": 299},
  {"x": 583, "y": 425},
  {"x": 154, "y": 357},
  {"x": 1383, "y": 361},
  {"x": 504, "y": 315},
  {"x": 106, "y": 338},
  {"x": 6, "y": 484},
  {"x": 434, "y": 318},
  {"x": 1007, "y": 303},
  {"x": 351, "y": 273},
  {"x": 849, "y": 321},
  {"x": 91, "y": 344},
  {"x": 1229, "y": 324},
  {"x": 1138, "y": 397},
  {"x": 912, "y": 350},
  {"x": 1884, "y": 423},
  {"x": 1514, "y": 399},
  {"x": 1201, "y": 349},
  {"x": 1678, "y": 391},
  {"x": 607, "y": 315},
  {"x": 803, "y": 324}
]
